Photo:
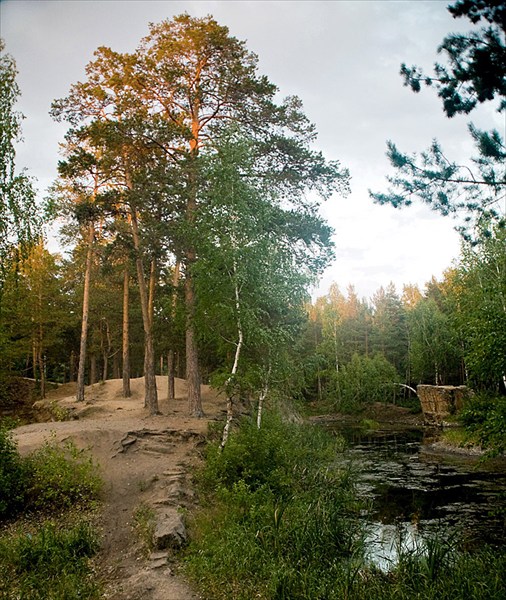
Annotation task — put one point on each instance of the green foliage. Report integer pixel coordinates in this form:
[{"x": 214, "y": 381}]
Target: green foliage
[
  {"x": 269, "y": 456},
  {"x": 474, "y": 74},
  {"x": 279, "y": 519},
  {"x": 19, "y": 220},
  {"x": 48, "y": 478},
  {"x": 365, "y": 380},
  {"x": 436, "y": 570},
  {"x": 62, "y": 476},
  {"x": 485, "y": 419},
  {"x": 13, "y": 474},
  {"x": 49, "y": 562},
  {"x": 480, "y": 311}
]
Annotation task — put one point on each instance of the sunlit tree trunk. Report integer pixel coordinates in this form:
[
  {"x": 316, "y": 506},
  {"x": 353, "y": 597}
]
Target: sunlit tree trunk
[{"x": 192, "y": 360}]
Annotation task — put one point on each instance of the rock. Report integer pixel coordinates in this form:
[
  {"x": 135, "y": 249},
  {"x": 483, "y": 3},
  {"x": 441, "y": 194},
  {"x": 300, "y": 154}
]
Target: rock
[
  {"x": 170, "y": 530},
  {"x": 441, "y": 401}
]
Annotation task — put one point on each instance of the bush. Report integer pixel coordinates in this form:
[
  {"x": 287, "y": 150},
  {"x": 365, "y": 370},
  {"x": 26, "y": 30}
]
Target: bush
[
  {"x": 13, "y": 476},
  {"x": 61, "y": 477},
  {"x": 364, "y": 380},
  {"x": 280, "y": 517},
  {"x": 484, "y": 417}
]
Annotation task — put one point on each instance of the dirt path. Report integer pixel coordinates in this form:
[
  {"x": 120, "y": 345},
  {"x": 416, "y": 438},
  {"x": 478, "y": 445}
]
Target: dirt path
[{"x": 146, "y": 462}]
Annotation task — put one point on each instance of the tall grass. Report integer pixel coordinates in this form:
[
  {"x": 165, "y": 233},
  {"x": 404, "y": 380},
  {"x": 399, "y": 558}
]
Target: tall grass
[
  {"x": 47, "y": 541},
  {"x": 279, "y": 521}
]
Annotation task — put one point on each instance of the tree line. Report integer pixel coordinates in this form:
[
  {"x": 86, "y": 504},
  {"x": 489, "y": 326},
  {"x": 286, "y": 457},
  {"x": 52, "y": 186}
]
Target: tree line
[{"x": 190, "y": 198}]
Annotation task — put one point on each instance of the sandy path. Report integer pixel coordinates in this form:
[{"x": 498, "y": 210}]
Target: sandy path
[{"x": 145, "y": 461}]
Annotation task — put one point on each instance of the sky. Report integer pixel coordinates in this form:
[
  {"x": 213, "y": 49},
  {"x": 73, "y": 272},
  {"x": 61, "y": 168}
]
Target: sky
[{"x": 341, "y": 57}]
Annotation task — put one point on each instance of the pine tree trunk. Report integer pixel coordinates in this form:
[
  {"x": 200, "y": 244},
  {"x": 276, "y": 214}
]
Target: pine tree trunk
[
  {"x": 171, "y": 393},
  {"x": 86, "y": 308},
  {"x": 127, "y": 393},
  {"x": 151, "y": 396},
  {"x": 192, "y": 362},
  {"x": 93, "y": 369}
]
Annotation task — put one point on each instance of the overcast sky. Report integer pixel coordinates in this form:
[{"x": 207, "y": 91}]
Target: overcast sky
[{"x": 340, "y": 57}]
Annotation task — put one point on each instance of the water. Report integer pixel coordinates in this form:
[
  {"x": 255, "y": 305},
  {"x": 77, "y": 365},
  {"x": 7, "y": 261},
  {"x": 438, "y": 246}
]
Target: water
[{"x": 414, "y": 492}]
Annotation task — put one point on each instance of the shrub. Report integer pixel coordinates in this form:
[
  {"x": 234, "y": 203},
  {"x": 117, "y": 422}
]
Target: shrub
[
  {"x": 280, "y": 518},
  {"x": 484, "y": 417},
  {"x": 61, "y": 476},
  {"x": 13, "y": 476},
  {"x": 364, "y": 380}
]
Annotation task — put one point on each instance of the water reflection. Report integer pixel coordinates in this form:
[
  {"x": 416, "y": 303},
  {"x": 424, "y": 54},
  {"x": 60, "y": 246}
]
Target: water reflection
[{"x": 415, "y": 493}]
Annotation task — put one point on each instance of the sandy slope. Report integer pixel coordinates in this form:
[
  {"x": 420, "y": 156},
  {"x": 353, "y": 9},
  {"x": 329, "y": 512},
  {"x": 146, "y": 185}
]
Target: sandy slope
[{"x": 144, "y": 461}]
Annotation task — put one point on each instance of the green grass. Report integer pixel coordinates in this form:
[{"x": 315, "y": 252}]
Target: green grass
[
  {"x": 47, "y": 540},
  {"x": 48, "y": 561},
  {"x": 279, "y": 521}
]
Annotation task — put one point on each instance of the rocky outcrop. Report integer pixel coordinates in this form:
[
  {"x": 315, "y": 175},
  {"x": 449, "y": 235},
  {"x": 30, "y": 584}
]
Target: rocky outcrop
[{"x": 441, "y": 402}]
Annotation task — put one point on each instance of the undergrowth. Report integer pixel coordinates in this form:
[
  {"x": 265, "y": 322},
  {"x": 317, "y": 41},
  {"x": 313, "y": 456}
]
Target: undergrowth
[
  {"x": 280, "y": 521},
  {"x": 47, "y": 540}
]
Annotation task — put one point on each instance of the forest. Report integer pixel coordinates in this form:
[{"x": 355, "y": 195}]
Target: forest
[{"x": 188, "y": 201}]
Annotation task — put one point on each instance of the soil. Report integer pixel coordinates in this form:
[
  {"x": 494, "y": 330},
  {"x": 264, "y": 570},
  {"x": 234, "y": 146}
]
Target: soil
[{"x": 145, "y": 461}]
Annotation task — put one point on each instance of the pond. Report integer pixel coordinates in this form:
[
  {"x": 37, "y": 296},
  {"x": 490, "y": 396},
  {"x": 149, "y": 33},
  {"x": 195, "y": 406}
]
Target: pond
[{"x": 415, "y": 491}]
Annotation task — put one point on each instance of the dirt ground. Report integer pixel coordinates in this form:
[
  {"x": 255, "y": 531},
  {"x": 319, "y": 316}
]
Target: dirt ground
[{"x": 145, "y": 462}]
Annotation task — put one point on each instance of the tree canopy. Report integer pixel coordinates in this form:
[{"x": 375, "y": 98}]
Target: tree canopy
[{"x": 474, "y": 73}]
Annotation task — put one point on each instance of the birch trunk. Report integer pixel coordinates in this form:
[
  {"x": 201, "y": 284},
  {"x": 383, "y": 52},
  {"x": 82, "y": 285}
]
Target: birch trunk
[
  {"x": 86, "y": 309},
  {"x": 240, "y": 338},
  {"x": 261, "y": 398}
]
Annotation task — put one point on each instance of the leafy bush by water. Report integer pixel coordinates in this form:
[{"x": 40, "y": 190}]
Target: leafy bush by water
[
  {"x": 280, "y": 522},
  {"x": 485, "y": 418},
  {"x": 279, "y": 519}
]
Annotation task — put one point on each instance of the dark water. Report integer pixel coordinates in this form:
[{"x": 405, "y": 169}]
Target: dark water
[{"x": 415, "y": 491}]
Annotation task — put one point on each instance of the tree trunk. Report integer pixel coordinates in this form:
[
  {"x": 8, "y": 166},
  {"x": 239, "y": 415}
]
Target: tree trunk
[
  {"x": 93, "y": 369},
  {"x": 86, "y": 308},
  {"x": 192, "y": 363},
  {"x": 192, "y": 360},
  {"x": 240, "y": 338},
  {"x": 171, "y": 393},
  {"x": 170, "y": 356},
  {"x": 151, "y": 395},
  {"x": 127, "y": 393}
]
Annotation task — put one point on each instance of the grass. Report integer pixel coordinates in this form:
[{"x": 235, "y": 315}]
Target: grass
[
  {"x": 47, "y": 503},
  {"x": 48, "y": 561},
  {"x": 144, "y": 525},
  {"x": 279, "y": 521}
]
